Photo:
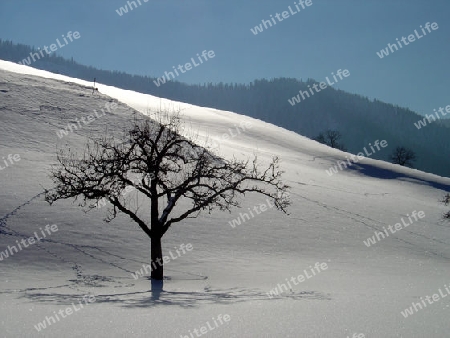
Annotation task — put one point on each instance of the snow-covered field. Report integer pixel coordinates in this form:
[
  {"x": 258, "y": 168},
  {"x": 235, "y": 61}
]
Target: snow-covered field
[{"x": 230, "y": 271}]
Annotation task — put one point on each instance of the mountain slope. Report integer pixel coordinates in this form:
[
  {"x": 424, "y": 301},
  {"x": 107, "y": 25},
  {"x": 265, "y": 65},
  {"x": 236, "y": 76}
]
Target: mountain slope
[
  {"x": 359, "y": 119},
  {"x": 231, "y": 270}
]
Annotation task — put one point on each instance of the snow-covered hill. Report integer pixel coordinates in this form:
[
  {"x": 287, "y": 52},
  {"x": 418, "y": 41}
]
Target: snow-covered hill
[{"x": 231, "y": 270}]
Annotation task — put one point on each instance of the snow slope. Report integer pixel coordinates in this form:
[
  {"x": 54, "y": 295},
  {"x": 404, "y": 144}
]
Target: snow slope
[{"x": 230, "y": 270}]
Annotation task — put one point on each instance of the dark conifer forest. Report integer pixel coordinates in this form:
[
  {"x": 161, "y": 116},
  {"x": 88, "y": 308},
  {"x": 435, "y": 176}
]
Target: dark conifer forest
[{"x": 360, "y": 120}]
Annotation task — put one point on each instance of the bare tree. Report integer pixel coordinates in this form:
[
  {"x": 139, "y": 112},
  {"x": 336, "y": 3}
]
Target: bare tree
[
  {"x": 403, "y": 156},
  {"x": 169, "y": 169},
  {"x": 331, "y": 138}
]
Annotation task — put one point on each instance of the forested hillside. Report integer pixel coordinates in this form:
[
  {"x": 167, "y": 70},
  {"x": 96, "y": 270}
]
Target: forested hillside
[{"x": 361, "y": 121}]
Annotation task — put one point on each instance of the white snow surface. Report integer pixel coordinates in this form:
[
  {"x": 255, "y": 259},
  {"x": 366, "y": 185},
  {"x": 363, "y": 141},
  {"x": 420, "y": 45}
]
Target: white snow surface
[{"x": 230, "y": 270}]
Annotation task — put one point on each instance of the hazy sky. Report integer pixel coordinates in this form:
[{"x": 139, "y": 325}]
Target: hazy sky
[{"x": 320, "y": 39}]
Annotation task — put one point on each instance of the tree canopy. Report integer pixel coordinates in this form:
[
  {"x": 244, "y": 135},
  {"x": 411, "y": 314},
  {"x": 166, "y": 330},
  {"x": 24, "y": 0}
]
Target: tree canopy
[{"x": 164, "y": 168}]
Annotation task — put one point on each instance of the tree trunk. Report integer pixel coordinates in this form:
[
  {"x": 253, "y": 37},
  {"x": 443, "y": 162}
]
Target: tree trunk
[{"x": 157, "y": 259}]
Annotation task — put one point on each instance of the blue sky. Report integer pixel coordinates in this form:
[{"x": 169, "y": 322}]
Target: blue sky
[{"x": 320, "y": 39}]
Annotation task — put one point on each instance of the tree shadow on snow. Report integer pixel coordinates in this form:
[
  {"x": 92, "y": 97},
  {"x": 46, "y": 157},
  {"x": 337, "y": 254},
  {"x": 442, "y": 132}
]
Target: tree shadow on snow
[
  {"x": 185, "y": 299},
  {"x": 377, "y": 172}
]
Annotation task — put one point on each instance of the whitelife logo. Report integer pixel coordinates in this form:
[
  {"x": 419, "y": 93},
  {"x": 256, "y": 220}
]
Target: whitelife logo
[
  {"x": 342, "y": 165},
  {"x": 166, "y": 259},
  {"x": 236, "y": 131},
  {"x": 32, "y": 240},
  {"x": 398, "y": 226},
  {"x": 53, "y": 48},
  {"x": 304, "y": 94},
  {"x": 86, "y": 120},
  {"x": 246, "y": 217},
  {"x": 418, "y": 306},
  {"x": 411, "y": 38},
  {"x": 208, "y": 327},
  {"x": 285, "y": 14},
  {"x": 318, "y": 267},
  {"x": 53, "y": 319},
  {"x": 188, "y": 66},
  {"x": 12, "y": 159},
  {"x": 423, "y": 123},
  {"x": 124, "y": 10}
]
